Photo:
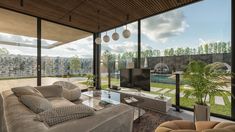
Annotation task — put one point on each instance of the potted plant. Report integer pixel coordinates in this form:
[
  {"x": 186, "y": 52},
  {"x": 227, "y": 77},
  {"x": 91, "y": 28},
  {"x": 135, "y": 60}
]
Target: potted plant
[
  {"x": 90, "y": 81},
  {"x": 205, "y": 80}
]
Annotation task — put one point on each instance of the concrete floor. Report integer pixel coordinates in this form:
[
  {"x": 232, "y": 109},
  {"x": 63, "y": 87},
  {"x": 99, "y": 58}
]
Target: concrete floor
[
  {"x": 188, "y": 115},
  {"x": 8, "y": 84}
]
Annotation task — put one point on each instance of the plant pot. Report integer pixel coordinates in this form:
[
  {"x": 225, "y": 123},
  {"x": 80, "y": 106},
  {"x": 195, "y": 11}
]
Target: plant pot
[{"x": 201, "y": 112}]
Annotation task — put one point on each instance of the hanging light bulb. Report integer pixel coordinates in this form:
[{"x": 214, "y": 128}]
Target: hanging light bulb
[
  {"x": 115, "y": 36},
  {"x": 98, "y": 38},
  {"x": 106, "y": 38},
  {"x": 126, "y": 33}
]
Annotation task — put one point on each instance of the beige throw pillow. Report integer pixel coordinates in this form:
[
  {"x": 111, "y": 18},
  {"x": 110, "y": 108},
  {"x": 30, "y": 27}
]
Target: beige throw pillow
[
  {"x": 26, "y": 90},
  {"x": 62, "y": 114},
  {"x": 35, "y": 103}
]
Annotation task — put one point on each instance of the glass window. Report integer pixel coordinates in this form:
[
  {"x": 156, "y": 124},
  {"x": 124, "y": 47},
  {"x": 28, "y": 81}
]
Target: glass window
[
  {"x": 18, "y": 50},
  {"x": 198, "y": 32},
  {"x": 117, "y": 55},
  {"x": 67, "y": 54}
]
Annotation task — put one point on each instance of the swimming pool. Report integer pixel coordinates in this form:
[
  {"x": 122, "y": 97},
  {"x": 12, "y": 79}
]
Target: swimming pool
[{"x": 163, "y": 78}]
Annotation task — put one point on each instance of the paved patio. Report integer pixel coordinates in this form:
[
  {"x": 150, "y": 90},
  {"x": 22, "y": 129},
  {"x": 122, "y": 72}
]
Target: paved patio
[{"x": 8, "y": 84}]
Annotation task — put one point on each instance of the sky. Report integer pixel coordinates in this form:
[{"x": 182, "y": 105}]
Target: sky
[{"x": 189, "y": 26}]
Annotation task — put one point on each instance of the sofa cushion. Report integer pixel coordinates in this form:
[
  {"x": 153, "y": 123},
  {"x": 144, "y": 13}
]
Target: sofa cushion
[
  {"x": 35, "y": 103},
  {"x": 202, "y": 125},
  {"x": 70, "y": 91},
  {"x": 50, "y": 91},
  {"x": 59, "y": 102},
  {"x": 26, "y": 90},
  {"x": 62, "y": 114},
  {"x": 72, "y": 94}
]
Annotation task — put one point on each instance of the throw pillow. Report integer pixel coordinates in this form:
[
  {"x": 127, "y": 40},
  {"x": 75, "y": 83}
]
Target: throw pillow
[
  {"x": 26, "y": 90},
  {"x": 61, "y": 114},
  {"x": 72, "y": 94},
  {"x": 35, "y": 103}
]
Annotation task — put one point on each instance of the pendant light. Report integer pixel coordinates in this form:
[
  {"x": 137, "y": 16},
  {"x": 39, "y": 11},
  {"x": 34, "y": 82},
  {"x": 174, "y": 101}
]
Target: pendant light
[
  {"x": 115, "y": 36},
  {"x": 126, "y": 33},
  {"x": 98, "y": 38},
  {"x": 106, "y": 38}
]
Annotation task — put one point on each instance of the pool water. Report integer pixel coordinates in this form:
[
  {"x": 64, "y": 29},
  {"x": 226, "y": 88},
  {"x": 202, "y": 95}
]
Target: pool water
[{"x": 163, "y": 78}]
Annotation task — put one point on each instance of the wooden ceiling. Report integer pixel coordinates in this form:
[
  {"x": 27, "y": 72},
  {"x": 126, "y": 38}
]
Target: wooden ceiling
[{"x": 82, "y": 14}]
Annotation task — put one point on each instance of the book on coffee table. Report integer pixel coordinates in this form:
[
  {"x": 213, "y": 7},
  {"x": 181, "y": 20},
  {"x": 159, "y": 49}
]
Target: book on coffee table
[{"x": 130, "y": 100}]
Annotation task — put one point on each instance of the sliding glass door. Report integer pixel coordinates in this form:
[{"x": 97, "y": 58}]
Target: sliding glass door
[
  {"x": 170, "y": 41},
  {"x": 64, "y": 55},
  {"x": 18, "y": 50}
]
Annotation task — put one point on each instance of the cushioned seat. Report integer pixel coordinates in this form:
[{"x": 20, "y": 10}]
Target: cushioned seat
[
  {"x": 70, "y": 91},
  {"x": 200, "y": 126}
]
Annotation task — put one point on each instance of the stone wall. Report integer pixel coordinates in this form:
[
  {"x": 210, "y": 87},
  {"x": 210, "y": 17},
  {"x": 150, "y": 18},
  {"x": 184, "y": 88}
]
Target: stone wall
[
  {"x": 16, "y": 66},
  {"x": 179, "y": 63}
]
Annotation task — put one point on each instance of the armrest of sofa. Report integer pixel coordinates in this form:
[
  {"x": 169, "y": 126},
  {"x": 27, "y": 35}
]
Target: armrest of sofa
[
  {"x": 50, "y": 91},
  {"x": 118, "y": 118}
]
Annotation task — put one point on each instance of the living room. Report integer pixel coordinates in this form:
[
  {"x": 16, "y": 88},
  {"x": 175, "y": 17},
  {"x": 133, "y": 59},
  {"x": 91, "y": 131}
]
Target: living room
[{"x": 127, "y": 65}]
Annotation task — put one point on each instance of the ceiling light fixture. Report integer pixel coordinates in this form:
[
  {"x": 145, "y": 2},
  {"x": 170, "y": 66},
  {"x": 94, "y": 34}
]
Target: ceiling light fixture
[
  {"x": 126, "y": 33},
  {"x": 115, "y": 36},
  {"x": 98, "y": 38},
  {"x": 106, "y": 38}
]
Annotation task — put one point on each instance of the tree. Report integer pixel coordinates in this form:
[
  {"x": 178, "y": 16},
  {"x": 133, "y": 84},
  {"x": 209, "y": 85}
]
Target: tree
[
  {"x": 206, "y": 49},
  {"x": 166, "y": 52},
  {"x": 224, "y": 47},
  {"x": 171, "y": 52},
  {"x": 75, "y": 63},
  {"x": 219, "y": 47},
  {"x": 229, "y": 47},
  {"x": 215, "y": 47},
  {"x": 210, "y": 48},
  {"x": 187, "y": 51},
  {"x": 200, "y": 50}
]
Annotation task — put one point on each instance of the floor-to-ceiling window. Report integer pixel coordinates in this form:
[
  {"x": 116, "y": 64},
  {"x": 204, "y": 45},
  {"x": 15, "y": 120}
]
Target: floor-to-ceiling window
[
  {"x": 67, "y": 54},
  {"x": 117, "y": 55},
  {"x": 18, "y": 50},
  {"x": 170, "y": 41}
]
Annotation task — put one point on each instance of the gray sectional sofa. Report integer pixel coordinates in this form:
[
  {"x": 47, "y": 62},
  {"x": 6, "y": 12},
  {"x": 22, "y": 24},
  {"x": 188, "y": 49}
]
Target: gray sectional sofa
[{"x": 16, "y": 117}]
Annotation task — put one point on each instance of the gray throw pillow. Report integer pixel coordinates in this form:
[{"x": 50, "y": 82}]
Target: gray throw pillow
[
  {"x": 35, "y": 103},
  {"x": 72, "y": 94},
  {"x": 26, "y": 90},
  {"x": 62, "y": 114}
]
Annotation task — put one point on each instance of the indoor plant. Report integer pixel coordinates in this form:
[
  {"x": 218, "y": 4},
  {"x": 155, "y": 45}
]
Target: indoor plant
[
  {"x": 205, "y": 80},
  {"x": 90, "y": 81}
]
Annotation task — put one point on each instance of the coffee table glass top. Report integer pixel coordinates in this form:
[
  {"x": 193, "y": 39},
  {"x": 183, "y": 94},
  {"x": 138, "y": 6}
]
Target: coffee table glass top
[{"x": 101, "y": 99}]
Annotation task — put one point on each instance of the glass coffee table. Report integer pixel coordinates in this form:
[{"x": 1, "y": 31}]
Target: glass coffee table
[{"x": 100, "y": 99}]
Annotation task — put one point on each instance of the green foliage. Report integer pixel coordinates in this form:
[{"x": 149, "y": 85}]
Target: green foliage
[
  {"x": 75, "y": 63},
  {"x": 204, "y": 80},
  {"x": 90, "y": 80}
]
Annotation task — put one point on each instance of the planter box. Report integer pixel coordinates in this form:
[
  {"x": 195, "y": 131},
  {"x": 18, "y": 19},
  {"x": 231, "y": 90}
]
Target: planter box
[{"x": 201, "y": 113}]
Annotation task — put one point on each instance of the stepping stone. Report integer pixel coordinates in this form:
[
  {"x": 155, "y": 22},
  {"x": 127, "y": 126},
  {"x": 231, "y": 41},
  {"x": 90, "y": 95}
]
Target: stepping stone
[
  {"x": 164, "y": 90},
  {"x": 229, "y": 98},
  {"x": 191, "y": 97},
  {"x": 172, "y": 91},
  {"x": 154, "y": 89},
  {"x": 182, "y": 94},
  {"x": 219, "y": 100},
  {"x": 186, "y": 86}
]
